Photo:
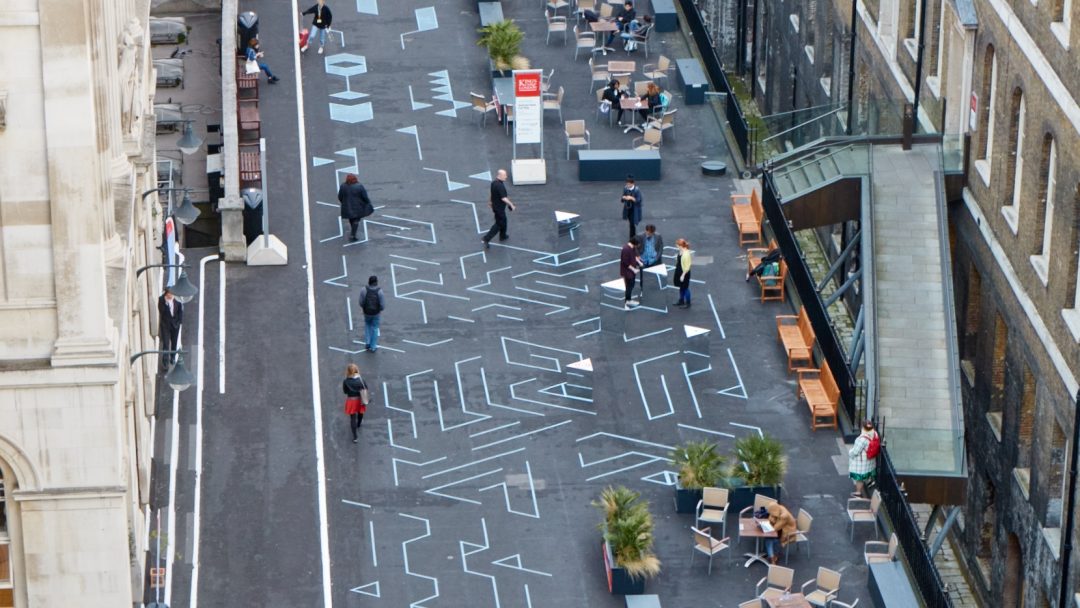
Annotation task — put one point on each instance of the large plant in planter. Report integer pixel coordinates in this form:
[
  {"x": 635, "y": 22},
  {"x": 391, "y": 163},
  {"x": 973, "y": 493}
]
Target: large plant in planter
[
  {"x": 699, "y": 466},
  {"x": 628, "y": 540},
  {"x": 760, "y": 467},
  {"x": 502, "y": 40}
]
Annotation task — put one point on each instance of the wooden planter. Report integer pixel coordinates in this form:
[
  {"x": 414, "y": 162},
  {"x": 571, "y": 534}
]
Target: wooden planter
[
  {"x": 686, "y": 499},
  {"x": 742, "y": 497},
  {"x": 619, "y": 581}
]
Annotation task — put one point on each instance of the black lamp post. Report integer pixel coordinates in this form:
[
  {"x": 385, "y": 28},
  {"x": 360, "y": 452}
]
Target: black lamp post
[
  {"x": 186, "y": 213},
  {"x": 178, "y": 377},
  {"x": 182, "y": 288}
]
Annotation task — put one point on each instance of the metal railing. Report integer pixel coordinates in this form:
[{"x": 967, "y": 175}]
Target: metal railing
[
  {"x": 920, "y": 564},
  {"x": 714, "y": 67}
]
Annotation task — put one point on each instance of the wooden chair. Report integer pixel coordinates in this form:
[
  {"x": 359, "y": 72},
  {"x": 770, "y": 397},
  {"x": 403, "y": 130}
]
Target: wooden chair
[
  {"x": 659, "y": 70},
  {"x": 650, "y": 140},
  {"x": 822, "y": 395},
  {"x": 746, "y": 516},
  {"x": 599, "y": 74},
  {"x": 705, "y": 543},
  {"x": 641, "y": 87},
  {"x": 839, "y": 604},
  {"x": 772, "y": 285},
  {"x": 747, "y": 212},
  {"x": 584, "y": 40},
  {"x": 826, "y": 586},
  {"x": 863, "y": 511},
  {"x": 582, "y": 6},
  {"x": 576, "y": 135},
  {"x": 797, "y": 336},
  {"x": 556, "y": 24},
  {"x": 554, "y": 102},
  {"x": 555, "y": 5},
  {"x": 481, "y": 106},
  {"x": 776, "y": 583},
  {"x": 665, "y": 121},
  {"x": 803, "y": 521},
  {"x": 508, "y": 116},
  {"x": 712, "y": 508},
  {"x": 878, "y": 552},
  {"x": 641, "y": 38}
]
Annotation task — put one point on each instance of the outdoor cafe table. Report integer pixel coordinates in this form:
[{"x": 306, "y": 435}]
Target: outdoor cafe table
[
  {"x": 793, "y": 600},
  {"x": 633, "y": 104},
  {"x": 621, "y": 68},
  {"x": 601, "y": 28},
  {"x": 751, "y": 528}
]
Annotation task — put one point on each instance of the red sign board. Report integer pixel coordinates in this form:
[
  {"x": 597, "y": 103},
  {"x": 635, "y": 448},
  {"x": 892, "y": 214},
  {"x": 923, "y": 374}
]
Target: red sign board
[{"x": 527, "y": 84}]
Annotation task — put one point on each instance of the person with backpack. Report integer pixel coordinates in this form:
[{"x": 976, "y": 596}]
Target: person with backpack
[
  {"x": 371, "y": 302},
  {"x": 862, "y": 458}
]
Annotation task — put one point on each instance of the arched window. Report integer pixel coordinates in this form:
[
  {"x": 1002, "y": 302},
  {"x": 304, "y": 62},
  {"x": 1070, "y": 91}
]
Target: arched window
[
  {"x": 986, "y": 114},
  {"x": 1047, "y": 189},
  {"x": 1014, "y": 171},
  {"x": 8, "y": 536}
]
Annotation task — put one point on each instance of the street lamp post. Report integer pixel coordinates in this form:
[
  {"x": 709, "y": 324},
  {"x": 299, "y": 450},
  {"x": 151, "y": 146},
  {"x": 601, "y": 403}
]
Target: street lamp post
[
  {"x": 186, "y": 213},
  {"x": 178, "y": 377},
  {"x": 182, "y": 288}
]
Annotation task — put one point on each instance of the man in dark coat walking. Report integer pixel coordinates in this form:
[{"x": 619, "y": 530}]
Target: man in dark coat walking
[
  {"x": 355, "y": 204},
  {"x": 632, "y": 202},
  {"x": 170, "y": 318},
  {"x": 498, "y": 203}
]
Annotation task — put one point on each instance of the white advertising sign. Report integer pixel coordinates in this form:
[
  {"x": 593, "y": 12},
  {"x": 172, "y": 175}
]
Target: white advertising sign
[{"x": 528, "y": 107}]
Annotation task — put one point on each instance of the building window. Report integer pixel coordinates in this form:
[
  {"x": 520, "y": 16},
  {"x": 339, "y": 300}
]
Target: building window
[
  {"x": 1025, "y": 432},
  {"x": 969, "y": 347},
  {"x": 887, "y": 24},
  {"x": 1062, "y": 21},
  {"x": 984, "y": 555},
  {"x": 986, "y": 115},
  {"x": 1041, "y": 260},
  {"x": 7, "y": 588},
  {"x": 935, "y": 39},
  {"x": 1055, "y": 478},
  {"x": 912, "y": 13},
  {"x": 1072, "y": 315},
  {"x": 1014, "y": 172},
  {"x": 996, "y": 415}
]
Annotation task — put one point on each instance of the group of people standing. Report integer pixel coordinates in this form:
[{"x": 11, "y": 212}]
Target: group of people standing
[{"x": 643, "y": 251}]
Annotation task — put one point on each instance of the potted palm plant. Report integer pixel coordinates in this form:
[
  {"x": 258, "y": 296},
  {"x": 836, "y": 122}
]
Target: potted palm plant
[
  {"x": 503, "y": 43},
  {"x": 699, "y": 466},
  {"x": 628, "y": 540},
  {"x": 759, "y": 469}
]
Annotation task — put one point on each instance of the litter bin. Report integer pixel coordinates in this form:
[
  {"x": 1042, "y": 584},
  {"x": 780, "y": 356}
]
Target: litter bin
[
  {"x": 247, "y": 27},
  {"x": 253, "y": 213}
]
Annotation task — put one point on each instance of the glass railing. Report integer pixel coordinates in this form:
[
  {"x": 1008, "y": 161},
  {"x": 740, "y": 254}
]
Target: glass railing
[
  {"x": 952, "y": 153},
  {"x": 776, "y": 134}
]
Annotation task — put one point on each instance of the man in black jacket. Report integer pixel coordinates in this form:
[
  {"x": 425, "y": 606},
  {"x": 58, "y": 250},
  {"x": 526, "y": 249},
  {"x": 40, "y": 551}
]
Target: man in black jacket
[
  {"x": 170, "y": 318},
  {"x": 623, "y": 19},
  {"x": 319, "y": 24},
  {"x": 498, "y": 203},
  {"x": 355, "y": 204}
]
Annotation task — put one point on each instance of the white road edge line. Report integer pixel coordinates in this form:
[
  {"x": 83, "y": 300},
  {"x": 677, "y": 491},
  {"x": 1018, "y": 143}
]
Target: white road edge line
[
  {"x": 221, "y": 328},
  {"x": 174, "y": 456},
  {"x": 316, "y": 399},
  {"x": 194, "y": 595}
]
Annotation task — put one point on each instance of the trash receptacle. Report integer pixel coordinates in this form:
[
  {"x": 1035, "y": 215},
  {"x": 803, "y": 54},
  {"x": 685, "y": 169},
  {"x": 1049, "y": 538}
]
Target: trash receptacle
[
  {"x": 253, "y": 213},
  {"x": 247, "y": 27}
]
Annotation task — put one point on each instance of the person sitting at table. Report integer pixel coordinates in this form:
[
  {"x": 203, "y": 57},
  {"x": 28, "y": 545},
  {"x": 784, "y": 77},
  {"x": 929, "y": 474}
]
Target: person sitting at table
[
  {"x": 637, "y": 30},
  {"x": 623, "y": 19},
  {"x": 652, "y": 97},
  {"x": 786, "y": 531},
  {"x": 612, "y": 94}
]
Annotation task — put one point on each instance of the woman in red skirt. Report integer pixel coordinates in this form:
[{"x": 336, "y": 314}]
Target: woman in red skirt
[{"x": 356, "y": 395}]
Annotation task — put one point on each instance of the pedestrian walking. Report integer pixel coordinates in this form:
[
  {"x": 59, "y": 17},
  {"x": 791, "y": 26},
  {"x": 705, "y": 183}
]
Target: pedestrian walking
[
  {"x": 320, "y": 23},
  {"x": 498, "y": 203},
  {"x": 629, "y": 267},
  {"x": 651, "y": 251},
  {"x": 356, "y": 397},
  {"x": 372, "y": 303},
  {"x": 254, "y": 54},
  {"x": 355, "y": 204},
  {"x": 862, "y": 458},
  {"x": 632, "y": 201},
  {"x": 683, "y": 262},
  {"x": 170, "y": 318}
]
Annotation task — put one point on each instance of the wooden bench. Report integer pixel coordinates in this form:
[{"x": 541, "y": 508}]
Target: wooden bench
[
  {"x": 748, "y": 213},
  {"x": 250, "y": 166},
  {"x": 798, "y": 339},
  {"x": 772, "y": 285},
  {"x": 615, "y": 165},
  {"x": 247, "y": 85},
  {"x": 490, "y": 13},
  {"x": 247, "y": 113},
  {"x": 754, "y": 255},
  {"x": 822, "y": 395}
]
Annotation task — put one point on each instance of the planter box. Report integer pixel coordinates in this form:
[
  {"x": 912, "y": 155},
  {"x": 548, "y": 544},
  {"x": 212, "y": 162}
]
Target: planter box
[
  {"x": 686, "y": 500},
  {"x": 742, "y": 497},
  {"x": 619, "y": 582},
  {"x": 496, "y": 73}
]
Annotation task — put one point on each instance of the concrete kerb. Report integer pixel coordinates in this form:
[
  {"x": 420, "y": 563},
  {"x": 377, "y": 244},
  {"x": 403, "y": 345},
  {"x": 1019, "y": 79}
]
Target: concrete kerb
[{"x": 231, "y": 207}]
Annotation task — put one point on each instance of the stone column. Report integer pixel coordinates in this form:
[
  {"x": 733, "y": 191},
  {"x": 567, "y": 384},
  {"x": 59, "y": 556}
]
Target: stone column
[{"x": 75, "y": 173}]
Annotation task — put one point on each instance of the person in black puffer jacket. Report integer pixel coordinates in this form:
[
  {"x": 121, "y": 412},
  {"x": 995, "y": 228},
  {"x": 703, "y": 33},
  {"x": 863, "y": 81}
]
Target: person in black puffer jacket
[
  {"x": 319, "y": 24},
  {"x": 355, "y": 204}
]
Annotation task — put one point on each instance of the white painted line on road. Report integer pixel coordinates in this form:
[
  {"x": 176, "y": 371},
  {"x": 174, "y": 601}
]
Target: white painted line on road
[
  {"x": 313, "y": 342},
  {"x": 200, "y": 374},
  {"x": 174, "y": 457},
  {"x": 221, "y": 328}
]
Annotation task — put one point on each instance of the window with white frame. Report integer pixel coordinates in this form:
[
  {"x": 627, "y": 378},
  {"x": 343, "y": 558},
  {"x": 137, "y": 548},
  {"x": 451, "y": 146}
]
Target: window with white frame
[
  {"x": 7, "y": 587},
  {"x": 986, "y": 115},
  {"x": 1072, "y": 315},
  {"x": 1062, "y": 21},
  {"x": 887, "y": 23},
  {"x": 1041, "y": 261},
  {"x": 911, "y": 29},
  {"x": 1015, "y": 172},
  {"x": 936, "y": 35}
]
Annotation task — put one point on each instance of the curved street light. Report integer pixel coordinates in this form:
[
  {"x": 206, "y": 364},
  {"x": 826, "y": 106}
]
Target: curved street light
[
  {"x": 178, "y": 377},
  {"x": 186, "y": 213},
  {"x": 182, "y": 288}
]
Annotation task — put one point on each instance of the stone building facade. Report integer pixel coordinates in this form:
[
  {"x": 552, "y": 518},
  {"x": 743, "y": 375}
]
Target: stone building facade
[
  {"x": 1005, "y": 74},
  {"x": 76, "y": 152}
]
